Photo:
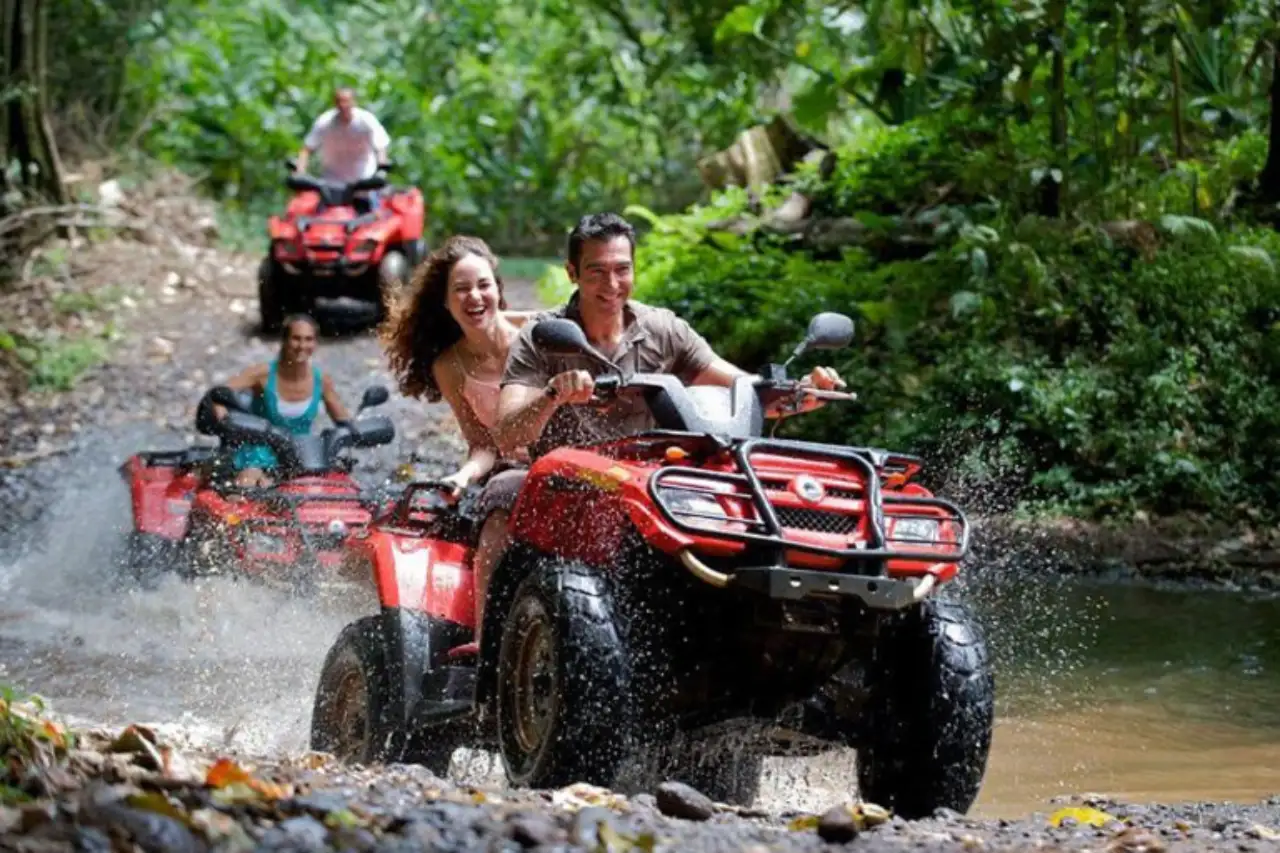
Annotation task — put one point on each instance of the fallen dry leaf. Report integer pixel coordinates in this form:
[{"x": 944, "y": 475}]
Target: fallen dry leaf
[
  {"x": 159, "y": 804},
  {"x": 1082, "y": 815},
  {"x": 804, "y": 823},
  {"x": 232, "y": 783},
  {"x": 581, "y": 795}
]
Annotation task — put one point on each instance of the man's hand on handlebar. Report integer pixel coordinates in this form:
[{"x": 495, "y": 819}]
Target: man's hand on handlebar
[
  {"x": 823, "y": 378},
  {"x": 571, "y": 387},
  {"x": 810, "y": 393}
]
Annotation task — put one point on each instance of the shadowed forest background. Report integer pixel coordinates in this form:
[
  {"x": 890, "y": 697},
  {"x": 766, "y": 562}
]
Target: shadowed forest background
[{"x": 1053, "y": 221}]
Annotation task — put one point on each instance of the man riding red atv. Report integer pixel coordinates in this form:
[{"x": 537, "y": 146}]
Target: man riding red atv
[
  {"x": 189, "y": 516},
  {"x": 665, "y": 591},
  {"x": 329, "y": 246}
]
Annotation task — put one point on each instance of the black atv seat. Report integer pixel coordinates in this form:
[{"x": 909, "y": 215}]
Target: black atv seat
[
  {"x": 189, "y": 457},
  {"x": 305, "y": 222},
  {"x": 334, "y": 193}
]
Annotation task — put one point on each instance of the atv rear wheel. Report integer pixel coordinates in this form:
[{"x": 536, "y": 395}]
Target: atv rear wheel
[
  {"x": 270, "y": 300},
  {"x": 563, "y": 681},
  {"x": 351, "y": 714},
  {"x": 931, "y": 712}
]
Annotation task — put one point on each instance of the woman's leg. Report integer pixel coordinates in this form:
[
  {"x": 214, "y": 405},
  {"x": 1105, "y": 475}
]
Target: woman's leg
[
  {"x": 493, "y": 541},
  {"x": 494, "y": 505}
]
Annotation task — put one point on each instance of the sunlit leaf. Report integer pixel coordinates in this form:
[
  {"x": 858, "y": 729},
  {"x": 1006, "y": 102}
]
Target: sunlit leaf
[
  {"x": 813, "y": 105},
  {"x": 1083, "y": 815},
  {"x": 744, "y": 19}
]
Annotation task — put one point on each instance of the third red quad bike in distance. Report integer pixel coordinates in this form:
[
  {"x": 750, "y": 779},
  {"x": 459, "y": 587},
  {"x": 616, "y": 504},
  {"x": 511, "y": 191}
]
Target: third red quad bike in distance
[
  {"x": 189, "y": 516},
  {"x": 329, "y": 245},
  {"x": 698, "y": 596}
]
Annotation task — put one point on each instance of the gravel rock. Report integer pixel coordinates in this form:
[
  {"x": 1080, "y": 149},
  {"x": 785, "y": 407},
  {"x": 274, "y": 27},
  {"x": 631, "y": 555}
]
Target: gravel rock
[
  {"x": 676, "y": 799},
  {"x": 837, "y": 825}
]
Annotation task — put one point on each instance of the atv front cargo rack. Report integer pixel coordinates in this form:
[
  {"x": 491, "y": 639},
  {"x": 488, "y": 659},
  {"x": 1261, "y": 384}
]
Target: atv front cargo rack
[{"x": 767, "y": 528}]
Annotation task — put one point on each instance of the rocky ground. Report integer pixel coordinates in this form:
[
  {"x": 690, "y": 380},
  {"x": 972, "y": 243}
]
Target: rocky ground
[{"x": 131, "y": 789}]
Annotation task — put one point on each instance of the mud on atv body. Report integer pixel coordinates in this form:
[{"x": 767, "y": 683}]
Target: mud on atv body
[
  {"x": 325, "y": 248},
  {"x": 681, "y": 602},
  {"x": 190, "y": 518}
]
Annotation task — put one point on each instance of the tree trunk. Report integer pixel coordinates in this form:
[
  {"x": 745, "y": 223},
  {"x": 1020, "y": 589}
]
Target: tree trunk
[
  {"x": 25, "y": 135},
  {"x": 1179, "y": 135},
  {"x": 1269, "y": 177},
  {"x": 1052, "y": 185}
]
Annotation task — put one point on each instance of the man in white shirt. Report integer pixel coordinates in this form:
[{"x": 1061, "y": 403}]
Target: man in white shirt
[{"x": 351, "y": 141}]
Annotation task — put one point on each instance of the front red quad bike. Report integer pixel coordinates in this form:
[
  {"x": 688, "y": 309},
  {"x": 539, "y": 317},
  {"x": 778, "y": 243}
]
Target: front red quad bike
[
  {"x": 328, "y": 247},
  {"x": 672, "y": 592},
  {"x": 189, "y": 516}
]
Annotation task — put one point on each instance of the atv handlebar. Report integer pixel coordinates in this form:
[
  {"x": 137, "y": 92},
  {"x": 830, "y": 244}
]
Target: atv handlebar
[{"x": 606, "y": 388}]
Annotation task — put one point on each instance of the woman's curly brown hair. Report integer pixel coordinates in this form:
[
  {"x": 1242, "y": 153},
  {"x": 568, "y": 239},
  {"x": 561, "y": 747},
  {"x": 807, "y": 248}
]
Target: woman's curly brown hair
[{"x": 419, "y": 327}]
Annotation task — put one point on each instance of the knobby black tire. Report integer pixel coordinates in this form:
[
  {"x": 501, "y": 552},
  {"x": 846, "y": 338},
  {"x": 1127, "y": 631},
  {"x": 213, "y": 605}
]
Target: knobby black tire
[
  {"x": 359, "y": 646},
  {"x": 931, "y": 713},
  {"x": 590, "y": 733}
]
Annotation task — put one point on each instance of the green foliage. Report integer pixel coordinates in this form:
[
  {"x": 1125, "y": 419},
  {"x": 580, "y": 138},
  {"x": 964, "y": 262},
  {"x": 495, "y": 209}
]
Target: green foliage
[
  {"x": 30, "y": 744},
  {"x": 514, "y": 119},
  {"x": 55, "y": 362},
  {"x": 1066, "y": 365}
]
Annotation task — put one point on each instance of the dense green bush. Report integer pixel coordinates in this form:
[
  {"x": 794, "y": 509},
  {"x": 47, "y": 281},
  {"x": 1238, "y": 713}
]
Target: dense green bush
[
  {"x": 513, "y": 118},
  {"x": 1098, "y": 378}
]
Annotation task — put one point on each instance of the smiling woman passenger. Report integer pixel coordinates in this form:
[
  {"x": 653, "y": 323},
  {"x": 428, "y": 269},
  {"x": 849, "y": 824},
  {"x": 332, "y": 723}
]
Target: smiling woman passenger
[
  {"x": 449, "y": 340},
  {"x": 288, "y": 392}
]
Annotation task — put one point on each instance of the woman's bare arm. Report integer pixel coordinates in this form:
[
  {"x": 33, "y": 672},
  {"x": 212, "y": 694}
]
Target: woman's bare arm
[
  {"x": 482, "y": 451},
  {"x": 332, "y": 402},
  {"x": 252, "y": 378}
]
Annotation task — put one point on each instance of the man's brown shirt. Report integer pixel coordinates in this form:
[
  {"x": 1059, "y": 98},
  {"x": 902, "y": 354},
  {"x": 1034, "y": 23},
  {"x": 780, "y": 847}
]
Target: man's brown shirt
[{"x": 654, "y": 340}]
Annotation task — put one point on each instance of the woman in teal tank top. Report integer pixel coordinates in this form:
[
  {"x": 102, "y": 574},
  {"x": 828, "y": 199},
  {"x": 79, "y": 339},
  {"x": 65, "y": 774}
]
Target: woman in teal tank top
[{"x": 288, "y": 392}]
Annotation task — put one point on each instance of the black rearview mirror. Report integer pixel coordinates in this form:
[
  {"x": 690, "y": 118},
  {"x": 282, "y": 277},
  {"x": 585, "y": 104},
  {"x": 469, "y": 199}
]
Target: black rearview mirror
[
  {"x": 829, "y": 330},
  {"x": 565, "y": 337},
  {"x": 560, "y": 337},
  {"x": 374, "y": 395}
]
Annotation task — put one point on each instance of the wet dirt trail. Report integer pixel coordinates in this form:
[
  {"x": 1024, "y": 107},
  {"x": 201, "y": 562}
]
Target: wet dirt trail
[{"x": 233, "y": 666}]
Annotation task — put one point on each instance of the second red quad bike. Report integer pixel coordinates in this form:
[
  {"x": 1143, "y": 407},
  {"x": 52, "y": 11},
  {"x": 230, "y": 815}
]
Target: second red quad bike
[
  {"x": 332, "y": 244},
  {"x": 189, "y": 516},
  {"x": 684, "y": 601}
]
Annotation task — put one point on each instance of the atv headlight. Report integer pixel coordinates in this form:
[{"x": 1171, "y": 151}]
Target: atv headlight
[
  {"x": 365, "y": 247},
  {"x": 265, "y": 543},
  {"x": 915, "y": 529},
  {"x": 699, "y": 509}
]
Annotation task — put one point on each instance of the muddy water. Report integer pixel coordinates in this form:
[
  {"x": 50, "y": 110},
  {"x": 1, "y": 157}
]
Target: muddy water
[{"x": 1154, "y": 696}]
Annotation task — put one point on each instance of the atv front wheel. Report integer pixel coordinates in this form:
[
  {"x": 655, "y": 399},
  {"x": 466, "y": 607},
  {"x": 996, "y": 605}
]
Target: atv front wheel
[
  {"x": 931, "y": 712},
  {"x": 354, "y": 714},
  {"x": 563, "y": 681},
  {"x": 351, "y": 714}
]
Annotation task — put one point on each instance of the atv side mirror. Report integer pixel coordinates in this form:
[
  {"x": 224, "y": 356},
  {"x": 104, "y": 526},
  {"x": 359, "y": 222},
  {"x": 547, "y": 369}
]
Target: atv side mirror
[
  {"x": 565, "y": 337},
  {"x": 560, "y": 337},
  {"x": 374, "y": 395},
  {"x": 829, "y": 330}
]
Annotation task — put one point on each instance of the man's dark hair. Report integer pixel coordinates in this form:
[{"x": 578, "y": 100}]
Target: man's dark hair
[{"x": 598, "y": 226}]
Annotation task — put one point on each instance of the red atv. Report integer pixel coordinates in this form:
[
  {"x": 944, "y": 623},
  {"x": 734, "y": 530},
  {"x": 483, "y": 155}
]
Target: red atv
[
  {"x": 684, "y": 601},
  {"x": 327, "y": 246},
  {"x": 189, "y": 516}
]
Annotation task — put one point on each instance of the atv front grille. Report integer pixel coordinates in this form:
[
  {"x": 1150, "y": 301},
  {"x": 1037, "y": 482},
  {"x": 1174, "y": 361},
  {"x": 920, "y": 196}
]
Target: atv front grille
[
  {"x": 758, "y": 506},
  {"x": 817, "y": 520}
]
